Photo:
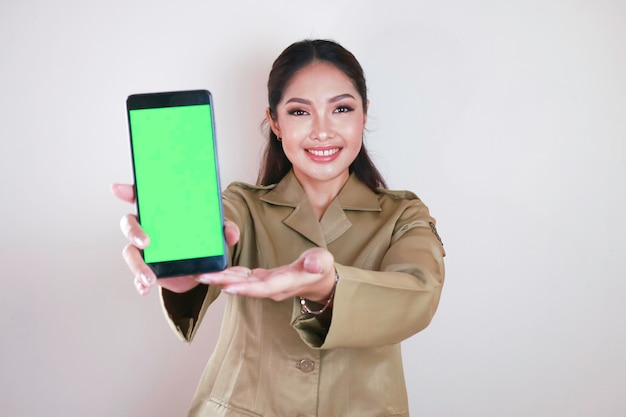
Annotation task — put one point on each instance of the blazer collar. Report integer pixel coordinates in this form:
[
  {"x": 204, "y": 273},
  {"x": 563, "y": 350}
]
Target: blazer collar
[{"x": 353, "y": 196}]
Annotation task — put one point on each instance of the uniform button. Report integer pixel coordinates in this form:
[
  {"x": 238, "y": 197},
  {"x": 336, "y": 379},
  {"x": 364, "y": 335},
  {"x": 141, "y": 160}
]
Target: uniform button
[{"x": 305, "y": 365}]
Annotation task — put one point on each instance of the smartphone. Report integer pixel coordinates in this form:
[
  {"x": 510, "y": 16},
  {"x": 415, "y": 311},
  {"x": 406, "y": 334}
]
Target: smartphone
[{"x": 177, "y": 186}]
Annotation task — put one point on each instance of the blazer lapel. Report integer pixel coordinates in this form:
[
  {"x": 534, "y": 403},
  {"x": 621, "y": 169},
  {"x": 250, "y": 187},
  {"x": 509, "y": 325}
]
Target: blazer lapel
[
  {"x": 354, "y": 196},
  {"x": 289, "y": 193},
  {"x": 334, "y": 223},
  {"x": 304, "y": 221}
]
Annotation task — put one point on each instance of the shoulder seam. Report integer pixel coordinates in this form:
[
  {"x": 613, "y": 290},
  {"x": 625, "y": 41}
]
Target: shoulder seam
[
  {"x": 248, "y": 186},
  {"x": 399, "y": 194}
]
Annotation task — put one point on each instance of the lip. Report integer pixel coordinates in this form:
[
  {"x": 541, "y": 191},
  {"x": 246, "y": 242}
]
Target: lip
[{"x": 325, "y": 154}]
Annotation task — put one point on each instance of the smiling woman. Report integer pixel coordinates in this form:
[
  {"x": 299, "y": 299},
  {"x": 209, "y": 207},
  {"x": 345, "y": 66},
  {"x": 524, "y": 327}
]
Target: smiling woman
[
  {"x": 320, "y": 122},
  {"x": 293, "y": 59},
  {"x": 329, "y": 271}
]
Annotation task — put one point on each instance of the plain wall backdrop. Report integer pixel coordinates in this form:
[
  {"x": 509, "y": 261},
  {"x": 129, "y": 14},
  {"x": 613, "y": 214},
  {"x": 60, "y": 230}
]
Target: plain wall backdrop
[{"x": 508, "y": 118}]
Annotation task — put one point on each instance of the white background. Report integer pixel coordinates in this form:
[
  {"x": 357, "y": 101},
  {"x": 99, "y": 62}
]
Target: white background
[{"x": 508, "y": 118}]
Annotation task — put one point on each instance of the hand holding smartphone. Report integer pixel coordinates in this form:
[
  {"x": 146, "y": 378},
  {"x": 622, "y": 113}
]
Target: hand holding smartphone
[{"x": 177, "y": 183}]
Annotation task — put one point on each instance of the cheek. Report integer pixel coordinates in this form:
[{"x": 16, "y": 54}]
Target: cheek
[
  {"x": 291, "y": 146},
  {"x": 355, "y": 131},
  {"x": 293, "y": 129}
]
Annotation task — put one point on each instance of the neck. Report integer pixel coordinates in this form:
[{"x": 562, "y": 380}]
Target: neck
[{"x": 322, "y": 193}]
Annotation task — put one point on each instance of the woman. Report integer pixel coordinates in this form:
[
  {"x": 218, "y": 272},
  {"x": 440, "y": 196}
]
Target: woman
[{"x": 329, "y": 270}]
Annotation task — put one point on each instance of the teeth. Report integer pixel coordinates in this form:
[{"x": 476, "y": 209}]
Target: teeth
[{"x": 325, "y": 152}]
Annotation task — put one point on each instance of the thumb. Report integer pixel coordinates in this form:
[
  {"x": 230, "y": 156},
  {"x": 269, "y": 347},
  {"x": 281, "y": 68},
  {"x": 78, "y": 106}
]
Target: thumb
[
  {"x": 231, "y": 232},
  {"x": 316, "y": 260},
  {"x": 311, "y": 264}
]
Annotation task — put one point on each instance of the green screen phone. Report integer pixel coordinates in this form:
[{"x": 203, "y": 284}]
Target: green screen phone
[{"x": 177, "y": 183}]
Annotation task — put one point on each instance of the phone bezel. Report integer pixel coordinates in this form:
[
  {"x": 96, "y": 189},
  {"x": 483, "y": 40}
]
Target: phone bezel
[{"x": 189, "y": 266}]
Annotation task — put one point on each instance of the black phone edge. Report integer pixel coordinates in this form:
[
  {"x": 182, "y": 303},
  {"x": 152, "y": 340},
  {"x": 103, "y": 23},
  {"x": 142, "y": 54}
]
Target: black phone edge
[
  {"x": 140, "y": 101},
  {"x": 169, "y": 99},
  {"x": 194, "y": 266}
]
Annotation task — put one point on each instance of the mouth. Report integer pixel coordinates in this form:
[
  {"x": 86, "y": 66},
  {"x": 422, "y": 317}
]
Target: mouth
[{"x": 323, "y": 152}]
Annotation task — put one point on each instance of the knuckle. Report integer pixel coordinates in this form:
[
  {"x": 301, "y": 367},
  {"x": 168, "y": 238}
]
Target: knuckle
[
  {"x": 132, "y": 258},
  {"x": 124, "y": 225},
  {"x": 126, "y": 251}
]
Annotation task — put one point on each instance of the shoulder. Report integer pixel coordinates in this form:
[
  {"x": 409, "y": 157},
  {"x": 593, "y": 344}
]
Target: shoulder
[
  {"x": 240, "y": 200},
  {"x": 241, "y": 196},
  {"x": 405, "y": 206},
  {"x": 244, "y": 189},
  {"x": 412, "y": 213},
  {"x": 399, "y": 199},
  {"x": 397, "y": 194},
  {"x": 240, "y": 185}
]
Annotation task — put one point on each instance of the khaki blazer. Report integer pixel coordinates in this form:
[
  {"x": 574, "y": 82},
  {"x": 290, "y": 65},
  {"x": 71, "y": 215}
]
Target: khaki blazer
[{"x": 272, "y": 360}]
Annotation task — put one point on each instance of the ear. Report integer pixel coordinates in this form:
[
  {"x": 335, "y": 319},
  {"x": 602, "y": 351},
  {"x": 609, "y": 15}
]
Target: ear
[{"x": 273, "y": 123}]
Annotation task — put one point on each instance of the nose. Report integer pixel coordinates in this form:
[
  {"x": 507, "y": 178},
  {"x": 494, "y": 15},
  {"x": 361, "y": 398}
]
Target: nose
[{"x": 322, "y": 128}]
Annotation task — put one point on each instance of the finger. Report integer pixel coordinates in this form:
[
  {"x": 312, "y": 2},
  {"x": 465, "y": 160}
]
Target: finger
[
  {"x": 236, "y": 274},
  {"x": 276, "y": 284},
  {"x": 319, "y": 265},
  {"x": 312, "y": 264},
  {"x": 275, "y": 289},
  {"x": 231, "y": 232},
  {"x": 140, "y": 286},
  {"x": 133, "y": 231},
  {"x": 143, "y": 274},
  {"x": 125, "y": 192},
  {"x": 315, "y": 261},
  {"x": 133, "y": 259}
]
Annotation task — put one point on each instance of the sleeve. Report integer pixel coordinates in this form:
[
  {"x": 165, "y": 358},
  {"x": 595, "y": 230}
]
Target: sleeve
[
  {"x": 375, "y": 308},
  {"x": 184, "y": 312}
]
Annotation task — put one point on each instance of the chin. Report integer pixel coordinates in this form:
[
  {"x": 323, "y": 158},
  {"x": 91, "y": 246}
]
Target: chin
[{"x": 329, "y": 175}]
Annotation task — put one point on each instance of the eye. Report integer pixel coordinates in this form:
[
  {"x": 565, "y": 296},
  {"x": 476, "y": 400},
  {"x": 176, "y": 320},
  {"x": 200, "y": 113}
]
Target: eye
[
  {"x": 343, "y": 109},
  {"x": 297, "y": 112}
]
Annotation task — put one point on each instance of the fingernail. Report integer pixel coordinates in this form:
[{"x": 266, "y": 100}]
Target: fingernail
[
  {"x": 147, "y": 279},
  {"x": 138, "y": 241},
  {"x": 312, "y": 265}
]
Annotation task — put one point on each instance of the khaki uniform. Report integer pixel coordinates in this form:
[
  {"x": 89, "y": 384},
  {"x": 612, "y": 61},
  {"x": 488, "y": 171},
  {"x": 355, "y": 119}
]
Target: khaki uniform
[{"x": 272, "y": 360}]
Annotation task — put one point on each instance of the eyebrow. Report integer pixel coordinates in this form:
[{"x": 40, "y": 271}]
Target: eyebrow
[{"x": 332, "y": 100}]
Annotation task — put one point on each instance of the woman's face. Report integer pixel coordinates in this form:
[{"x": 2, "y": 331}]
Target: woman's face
[{"x": 320, "y": 120}]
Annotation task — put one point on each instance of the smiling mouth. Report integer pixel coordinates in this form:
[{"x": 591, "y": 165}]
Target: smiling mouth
[{"x": 323, "y": 152}]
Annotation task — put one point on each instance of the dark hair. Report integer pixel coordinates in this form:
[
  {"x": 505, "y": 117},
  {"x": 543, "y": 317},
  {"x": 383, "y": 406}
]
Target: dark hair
[{"x": 275, "y": 164}]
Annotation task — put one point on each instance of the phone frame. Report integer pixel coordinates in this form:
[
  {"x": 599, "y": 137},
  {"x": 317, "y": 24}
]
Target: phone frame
[{"x": 142, "y": 101}]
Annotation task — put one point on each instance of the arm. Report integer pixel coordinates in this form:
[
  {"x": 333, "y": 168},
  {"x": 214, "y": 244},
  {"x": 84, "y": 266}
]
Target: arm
[
  {"x": 184, "y": 311},
  {"x": 184, "y": 300},
  {"x": 374, "y": 308}
]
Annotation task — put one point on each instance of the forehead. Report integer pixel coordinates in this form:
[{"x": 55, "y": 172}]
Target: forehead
[{"x": 320, "y": 77}]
